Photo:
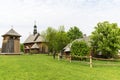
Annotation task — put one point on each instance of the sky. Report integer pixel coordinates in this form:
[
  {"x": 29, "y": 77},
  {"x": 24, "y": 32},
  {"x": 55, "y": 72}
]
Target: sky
[{"x": 85, "y": 14}]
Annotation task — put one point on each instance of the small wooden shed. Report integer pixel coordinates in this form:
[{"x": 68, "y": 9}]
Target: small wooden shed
[{"x": 67, "y": 48}]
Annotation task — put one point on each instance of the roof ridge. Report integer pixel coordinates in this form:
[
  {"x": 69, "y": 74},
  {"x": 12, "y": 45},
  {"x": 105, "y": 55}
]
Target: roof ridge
[
  {"x": 37, "y": 35},
  {"x": 12, "y": 32}
]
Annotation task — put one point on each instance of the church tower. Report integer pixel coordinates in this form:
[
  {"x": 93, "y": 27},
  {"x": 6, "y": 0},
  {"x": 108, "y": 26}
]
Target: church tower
[
  {"x": 35, "y": 29},
  {"x": 11, "y": 42}
]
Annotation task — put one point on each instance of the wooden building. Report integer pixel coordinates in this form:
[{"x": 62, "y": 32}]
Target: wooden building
[
  {"x": 11, "y": 42},
  {"x": 35, "y": 43},
  {"x": 67, "y": 48}
]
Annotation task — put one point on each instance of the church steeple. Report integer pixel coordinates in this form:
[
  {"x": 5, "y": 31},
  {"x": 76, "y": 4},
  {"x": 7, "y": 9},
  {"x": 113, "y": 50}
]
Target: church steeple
[{"x": 35, "y": 28}]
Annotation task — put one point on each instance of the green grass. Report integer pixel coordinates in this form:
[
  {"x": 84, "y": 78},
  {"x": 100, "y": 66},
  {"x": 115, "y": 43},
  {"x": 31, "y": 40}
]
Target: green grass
[{"x": 43, "y": 67}]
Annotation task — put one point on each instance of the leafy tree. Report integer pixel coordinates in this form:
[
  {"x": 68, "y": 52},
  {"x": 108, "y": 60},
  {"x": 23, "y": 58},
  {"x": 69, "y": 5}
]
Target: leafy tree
[
  {"x": 79, "y": 48},
  {"x": 106, "y": 39},
  {"x": 61, "y": 29},
  {"x": 74, "y": 33},
  {"x": 50, "y": 36},
  {"x": 57, "y": 39},
  {"x": 61, "y": 38}
]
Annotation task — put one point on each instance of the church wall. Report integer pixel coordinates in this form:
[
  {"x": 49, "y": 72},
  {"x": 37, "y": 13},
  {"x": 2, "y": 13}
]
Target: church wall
[
  {"x": 4, "y": 44},
  {"x": 43, "y": 47},
  {"x": 16, "y": 46},
  {"x": 26, "y": 45},
  {"x": 10, "y": 44}
]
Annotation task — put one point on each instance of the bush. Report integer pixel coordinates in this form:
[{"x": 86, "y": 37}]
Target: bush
[
  {"x": 79, "y": 48},
  {"x": 21, "y": 47}
]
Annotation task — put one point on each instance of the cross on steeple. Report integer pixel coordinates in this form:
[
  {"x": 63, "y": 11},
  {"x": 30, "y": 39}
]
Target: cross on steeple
[{"x": 12, "y": 26}]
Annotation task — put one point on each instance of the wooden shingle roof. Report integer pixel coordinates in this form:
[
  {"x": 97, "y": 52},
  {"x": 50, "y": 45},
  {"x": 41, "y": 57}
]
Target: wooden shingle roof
[
  {"x": 34, "y": 38},
  {"x": 68, "y": 47},
  {"x": 12, "y": 32},
  {"x": 35, "y": 46}
]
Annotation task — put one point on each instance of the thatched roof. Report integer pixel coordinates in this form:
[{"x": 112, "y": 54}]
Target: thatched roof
[
  {"x": 34, "y": 38},
  {"x": 12, "y": 32},
  {"x": 68, "y": 47}
]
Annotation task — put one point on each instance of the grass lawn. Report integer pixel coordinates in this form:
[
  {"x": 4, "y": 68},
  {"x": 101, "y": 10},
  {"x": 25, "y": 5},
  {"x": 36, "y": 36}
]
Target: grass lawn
[{"x": 43, "y": 67}]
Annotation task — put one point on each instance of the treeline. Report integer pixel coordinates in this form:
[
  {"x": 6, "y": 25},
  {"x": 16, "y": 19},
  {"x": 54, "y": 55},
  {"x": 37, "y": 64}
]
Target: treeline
[
  {"x": 59, "y": 38},
  {"x": 104, "y": 40}
]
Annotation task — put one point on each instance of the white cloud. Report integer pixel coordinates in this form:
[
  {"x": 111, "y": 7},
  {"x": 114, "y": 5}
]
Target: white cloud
[{"x": 82, "y": 13}]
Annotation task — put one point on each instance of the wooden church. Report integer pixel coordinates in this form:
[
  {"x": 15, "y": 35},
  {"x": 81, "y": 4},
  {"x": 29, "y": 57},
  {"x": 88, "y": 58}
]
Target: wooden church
[
  {"x": 11, "y": 42},
  {"x": 35, "y": 43}
]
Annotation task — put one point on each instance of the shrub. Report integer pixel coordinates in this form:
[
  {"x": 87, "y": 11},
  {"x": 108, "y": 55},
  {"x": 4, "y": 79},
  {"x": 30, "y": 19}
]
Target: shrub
[{"x": 79, "y": 48}]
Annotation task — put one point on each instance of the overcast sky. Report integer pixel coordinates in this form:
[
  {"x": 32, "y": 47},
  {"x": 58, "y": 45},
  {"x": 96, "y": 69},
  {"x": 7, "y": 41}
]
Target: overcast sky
[{"x": 84, "y": 14}]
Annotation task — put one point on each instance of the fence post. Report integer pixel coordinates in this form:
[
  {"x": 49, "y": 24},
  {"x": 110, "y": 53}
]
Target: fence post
[
  {"x": 90, "y": 61},
  {"x": 91, "y": 58}
]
